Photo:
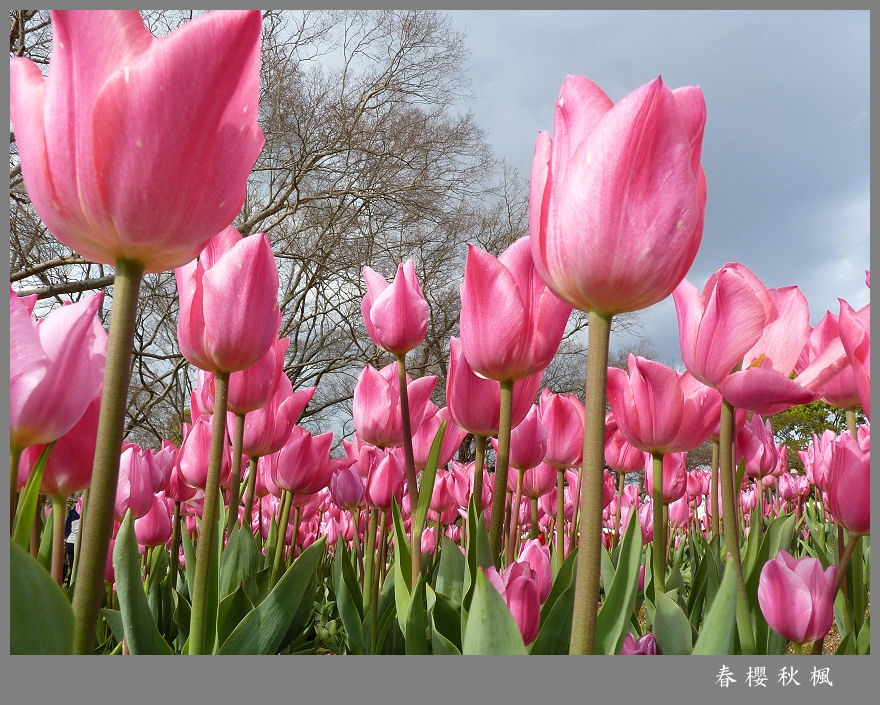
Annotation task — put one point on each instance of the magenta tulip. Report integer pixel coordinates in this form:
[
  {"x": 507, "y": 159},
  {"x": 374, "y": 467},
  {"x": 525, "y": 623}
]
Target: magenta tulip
[
  {"x": 267, "y": 429},
  {"x": 511, "y": 324},
  {"x": 755, "y": 445},
  {"x": 56, "y": 366},
  {"x": 253, "y": 387},
  {"x": 537, "y": 556},
  {"x": 303, "y": 462},
  {"x": 659, "y": 410},
  {"x": 192, "y": 458},
  {"x": 618, "y": 195},
  {"x": 519, "y": 589},
  {"x": 840, "y": 390},
  {"x": 423, "y": 438},
  {"x": 474, "y": 402},
  {"x": 644, "y": 645},
  {"x": 620, "y": 454},
  {"x": 528, "y": 442},
  {"x": 718, "y": 326},
  {"x": 154, "y": 527},
  {"x": 163, "y": 465},
  {"x": 563, "y": 417},
  {"x": 849, "y": 485},
  {"x": 385, "y": 481},
  {"x": 855, "y": 334},
  {"x": 674, "y": 475},
  {"x": 376, "y": 405},
  {"x": 139, "y": 151},
  {"x": 347, "y": 488},
  {"x": 796, "y": 597},
  {"x": 229, "y": 313},
  {"x": 396, "y": 315},
  {"x": 134, "y": 489}
]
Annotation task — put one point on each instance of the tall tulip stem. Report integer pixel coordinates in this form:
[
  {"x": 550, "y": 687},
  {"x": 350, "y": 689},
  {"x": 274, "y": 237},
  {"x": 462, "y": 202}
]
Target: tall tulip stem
[
  {"x": 251, "y": 489},
  {"x": 514, "y": 516},
  {"x": 283, "y": 521},
  {"x": 501, "y": 466},
  {"x": 58, "y": 514},
  {"x": 108, "y": 446},
  {"x": 586, "y": 592},
  {"x": 659, "y": 552},
  {"x": 174, "y": 562},
  {"x": 713, "y": 489},
  {"x": 731, "y": 541},
  {"x": 235, "y": 477},
  {"x": 560, "y": 515},
  {"x": 621, "y": 483},
  {"x": 199, "y": 641},
  {"x": 411, "y": 483},
  {"x": 480, "y": 442},
  {"x": 14, "y": 459}
]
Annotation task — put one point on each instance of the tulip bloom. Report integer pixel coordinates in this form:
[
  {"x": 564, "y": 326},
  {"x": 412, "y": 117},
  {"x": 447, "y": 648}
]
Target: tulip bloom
[
  {"x": 645, "y": 645},
  {"x": 674, "y": 475},
  {"x": 563, "y": 417},
  {"x": 718, "y": 326},
  {"x": 385, "y": 481},
  {"x": 195, "y": 450},
  {"x": 423, "y": 438},
  {"x": 511, "y": 324},
  {"x": 796, "y": 597},
  {"x": 756, "y": 446},
  {"x": 253, "y": 387},
  {"x": 154, "y": 527},
  {"x": 474, "y": 402},
  {"x": 518, "y": 587},
  {"x": 617, "y": 196},
  {"x": 840, "y": 390},
  {"x": 538, "y": 559},
  {"x": 528, "y": 442},
  {"x": 134, "y": 490},
  {"x": 396, "y": 315},
  {"x": 849, "y": 486},
  {"x": 55, "y": 368},
  {"x": 266, "y": 429},
  {"x": 229, "y": 312},
  {"x": 131, "y": 152},
  {"x": 303, "y": 462},
  {"x": 855, "y": 334},
  {"x": 660, "y": 411},
  {"x": 376, "y": 404}
]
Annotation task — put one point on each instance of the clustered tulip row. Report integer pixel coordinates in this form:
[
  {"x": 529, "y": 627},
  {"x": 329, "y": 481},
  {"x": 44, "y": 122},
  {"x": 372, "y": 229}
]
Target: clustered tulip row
[{"x": 250, "y": 538}]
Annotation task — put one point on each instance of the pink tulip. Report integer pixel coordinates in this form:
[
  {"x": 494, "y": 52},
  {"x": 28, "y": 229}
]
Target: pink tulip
[
  {"x": 660, "y": 411},
  {"x": 347, "y": 488},
  {"x": 376, "y": 405},
  {"x": 624, "y": 184},
  {"x": 756, "y": 446},
  {"x": 474, "y": 402},
  {"x": 385, "y": 482},
  {"x": 716, "y": 328},
  {"x": 563, "y": 417},
  {"x": 134, "y": 489},
  {"x": 69, "y": 466},
  {"x": 855, "y": 335},
  {"x": 519, "y": 589},
  {"x": 645, "y": 645},
  {"x": 674, "y": 475},
  {"x": 56, "y": 367},
  {"x": 788, "y": 487},
  {"x": 177, "y": 488},
  {"x": 796, "y": 597},
  {"x": 229, "y": 313},
  {"x": 537, "y": 556},
  {"x": 679, "y": 512},
  {"x": 620, "y": 454},
  {"x": 131, "y": 152},
  {"x": 849, "y": 486},
  {"x": 840, "y": 390},
  {"x": 461, "y": 484},
  {"x": 817, "y": 458},
  {"x": 646, "y": 520},
  {"x": 764, "y": 385},
  {"x": 396, "y": 315},
  {"x": 528, "y": 442},
  {"x": 303, "y": 462},
  {"x": 511, "y": 324},
  {"x": 192, "y": 458},
  {"x": 423, "y": 438},
  {"x": 537, "y": 482},
  {"x": 441, "y": 496},
  {"x": 253, "y": 387},
  {"x": 266, "y": 429},
  {"x": 154, "y": 527}
]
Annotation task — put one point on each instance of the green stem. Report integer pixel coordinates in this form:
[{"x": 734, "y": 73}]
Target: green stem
[
  {"x": 370, "y": 552},
  {"x": 729, "y": 522},
  {"x": 411, "y": 483},
  {"x": 713, "y": 490},
  {"x": 851, "y": 423},
  {"x": 251, "y": 490},
  {"x": 659, "y": 552},
  {"x": 14, "y": 460},
  {"x": 105, "y": 470},
  {"x": 235, "y": 476},
  {"x": 293, "y": 538},
  {"x": 174, "y": 561},
  {"x": 586, "y": 593},
  {"x": 499, "y": 496},
  {"x": 36, "y": 526},
  {"x": 58, "y": 507},
  {"x": 839, "y": 579},
  {"x": 283, "y": 521},
  {"x": 575, "y": 511},
  {"x": 560, "y": 515},
  {"x": 480, "y": 442},
  {"x": 355, "y": 522},
  {"x": 374, "y": 587},
  {"x": 199, "y": 641},
  {"x": 533, "y": 531},
  {"x": 514, "y": 516},
  {"x": 621, "y": 481}
]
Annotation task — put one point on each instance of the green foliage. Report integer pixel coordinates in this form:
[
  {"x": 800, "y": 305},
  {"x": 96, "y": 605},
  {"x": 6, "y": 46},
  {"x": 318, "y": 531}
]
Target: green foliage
[{"x": 795, "y": 427}]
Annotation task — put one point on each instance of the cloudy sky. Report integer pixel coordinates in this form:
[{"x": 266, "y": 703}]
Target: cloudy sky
[{"x": 786, "y": 147}]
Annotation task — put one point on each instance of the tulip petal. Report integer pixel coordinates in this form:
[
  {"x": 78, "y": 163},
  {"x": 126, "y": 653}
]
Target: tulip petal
[{"x": 765, "y": 391}]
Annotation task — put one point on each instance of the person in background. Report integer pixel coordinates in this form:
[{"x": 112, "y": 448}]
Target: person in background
[{"x": 71, "y": 530}]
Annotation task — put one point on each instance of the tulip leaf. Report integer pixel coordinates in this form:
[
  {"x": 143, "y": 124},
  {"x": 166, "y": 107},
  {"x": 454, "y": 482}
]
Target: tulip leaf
[
  {"x": 347, "y": 602},
  {"x": 491, "y": 628},
  {"x": 672, "y": 630},
  {"x": 40, "y": 617},
  {"x": 233, "y": 608},
  {"x": 416, "y": 621},
  {"x": 450, "y": 573},
  {"x": 239, "y": 562},
  {"x": 271, "y": 542},
  {"x": 564, "y": 578},
  {"x": 27, "y": 501},
  {"x": 401, "y": 593},
  {"x": 429, "y": 474},
  {"x": 479, "y": 554},
  {"x": 716, "y": 634},
  {"x": 863, "y": 643},
  {"x": 612, "y": 621},
  {"x": 401, "y": 545},
  {"x": 262, "y": 630},
  {"x": 113, "y": 618},
  {"x": 607, "y": 569},
  {"x": 44, "y": 555},
  {"x": 447, "y": 618},
  {"x": 182, "y": 616},
  {"x": 189, "y": 557},
  {"x": 555, "y": 632},
  {"x": 141, "y": 633},
  {"x": 441, "y": 645}
]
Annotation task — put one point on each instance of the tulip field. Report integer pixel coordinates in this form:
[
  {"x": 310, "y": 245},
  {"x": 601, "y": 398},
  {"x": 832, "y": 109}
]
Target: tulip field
[{"x": 578, "y": 527}]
